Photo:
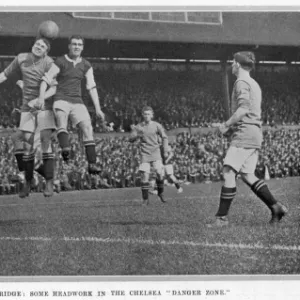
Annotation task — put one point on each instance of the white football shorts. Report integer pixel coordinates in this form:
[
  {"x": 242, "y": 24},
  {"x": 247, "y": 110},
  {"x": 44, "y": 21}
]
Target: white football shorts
[
  {"x": 76, "y": 111},
  {"x": 157, "y": 166},
  {"x": 241, "y": 159}
]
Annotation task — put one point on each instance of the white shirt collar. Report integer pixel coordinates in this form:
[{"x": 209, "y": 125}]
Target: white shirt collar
[{"x": 77, "y": 61}]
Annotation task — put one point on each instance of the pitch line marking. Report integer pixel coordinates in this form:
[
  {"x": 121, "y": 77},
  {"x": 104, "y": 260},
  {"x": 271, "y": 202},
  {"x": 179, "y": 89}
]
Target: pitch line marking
[
  {"x": 182, "y": 198},
  {"x": 240, "y": 246}
]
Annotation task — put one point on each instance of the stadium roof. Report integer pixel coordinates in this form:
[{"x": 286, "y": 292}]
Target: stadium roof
[{"x": 274, "y": 35}]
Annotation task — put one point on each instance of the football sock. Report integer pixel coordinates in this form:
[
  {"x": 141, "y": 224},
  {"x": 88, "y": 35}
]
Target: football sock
[
  {"x": 177, "y": 185},
  {"x": 19, "y": 157},
  {"x": 262, "y": 191},
  {"x": 90, "y": 150},
  {"x": 227, "y": 195},
  {"x": 48, "y": 162},
  {"x": 41, "y": 170},
  {"x": 145, "y": 190},
  {"x": 63, "y": 139},
  {"x": 160, "y": 186},
  {"x": 28, "y": 160}
]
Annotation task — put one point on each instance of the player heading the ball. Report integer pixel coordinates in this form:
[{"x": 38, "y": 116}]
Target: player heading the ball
[{"x": 34, "y": 114}]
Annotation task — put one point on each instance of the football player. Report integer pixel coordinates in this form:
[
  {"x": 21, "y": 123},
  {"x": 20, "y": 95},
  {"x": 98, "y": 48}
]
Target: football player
[
  {"x": 70, "y": 70},
  {"x": 246, "y": 140},
  {"x": 149, "y": 132},
  {"x": 32, "y": 67}
]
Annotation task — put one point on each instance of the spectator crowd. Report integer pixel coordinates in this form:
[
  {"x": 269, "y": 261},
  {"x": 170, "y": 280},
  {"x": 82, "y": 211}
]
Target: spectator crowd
[
  {"x": 185, "y": 98},
  {"x": 198, "y": 158}
]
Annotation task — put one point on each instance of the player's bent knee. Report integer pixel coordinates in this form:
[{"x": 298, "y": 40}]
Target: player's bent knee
[
  {"x": 17, "y": 137},
  {"x": 144, "y": 176},
  {"x": 18, "y": 140},
  {"x": 86, "y": 125},
  {"x": 249, "y": 178},
  {"x": 229, "y": 176},
  {"x": 46, "y": 136},
  {"x": 28, "y": 137},
  {"x": 61, "y": 118},
  {"x": 160, "y": 176},
  {"x": 229, "y": 170},
  {"x": 28, "y": 147},
  {"x": 87, "y": 130}
]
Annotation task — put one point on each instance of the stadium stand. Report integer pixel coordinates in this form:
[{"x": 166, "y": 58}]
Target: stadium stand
[
  {"x": 198, "y": 158},
  {"x": 184, "y": 98},
  {"x": 190, "y": 98}
]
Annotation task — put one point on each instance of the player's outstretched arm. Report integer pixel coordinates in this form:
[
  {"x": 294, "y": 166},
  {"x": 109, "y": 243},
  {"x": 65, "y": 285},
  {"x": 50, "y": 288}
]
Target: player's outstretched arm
[{"x": 91, "y": 87}]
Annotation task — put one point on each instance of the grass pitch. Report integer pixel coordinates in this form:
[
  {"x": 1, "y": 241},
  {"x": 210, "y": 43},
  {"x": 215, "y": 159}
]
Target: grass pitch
[{"x": 109, "y": 232}]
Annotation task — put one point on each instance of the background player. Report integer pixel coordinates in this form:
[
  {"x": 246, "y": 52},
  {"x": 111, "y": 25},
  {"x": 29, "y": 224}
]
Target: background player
[
  {"x": 149, "y": 132},
  {"x": 246, "y": 140},
  {"x": 32, "y": 67},
  {"x": 70, "y": 70}
]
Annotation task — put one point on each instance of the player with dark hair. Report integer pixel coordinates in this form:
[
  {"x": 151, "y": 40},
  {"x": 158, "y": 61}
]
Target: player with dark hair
[
  {"x": 70, "y": 70},
  {"x": 32, "y": 67},
  {"x": 246, "y": 139},
  {"x": 149, "y": 133}
]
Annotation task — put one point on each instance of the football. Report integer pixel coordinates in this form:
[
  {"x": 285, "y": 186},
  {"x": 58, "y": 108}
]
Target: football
[{"x": 49, "y": 30}]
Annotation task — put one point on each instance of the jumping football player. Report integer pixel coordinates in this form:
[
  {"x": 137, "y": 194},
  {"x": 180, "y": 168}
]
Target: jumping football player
[
  {"x": 70, "y": 70},
  {"x": 33, "y": 67},
  {"x": 37, "y": 145},
  {"x": 246, "y": 140},
  {"x": 149, "y": 132}
]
